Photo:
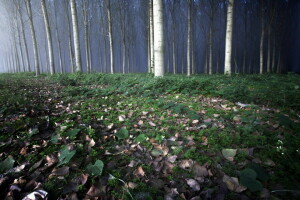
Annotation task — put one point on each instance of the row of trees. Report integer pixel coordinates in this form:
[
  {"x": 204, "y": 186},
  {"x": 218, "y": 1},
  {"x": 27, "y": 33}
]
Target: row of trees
[{"x": 119, "y": 35}]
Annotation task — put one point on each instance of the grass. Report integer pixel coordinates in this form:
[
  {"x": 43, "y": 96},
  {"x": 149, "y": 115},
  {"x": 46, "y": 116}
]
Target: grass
[{"x": 193, "y": 118}]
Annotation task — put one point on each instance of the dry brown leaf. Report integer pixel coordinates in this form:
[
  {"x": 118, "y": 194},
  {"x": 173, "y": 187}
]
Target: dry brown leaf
[
  {"x": 199, "y": 171},
  {"x": 152, "y": 124},
  {"x": 63, "y": 171},
  {"x": 139, "y": 172},
  {"x": 193, "y": 184},
  {"x": 186, "y": 164}
]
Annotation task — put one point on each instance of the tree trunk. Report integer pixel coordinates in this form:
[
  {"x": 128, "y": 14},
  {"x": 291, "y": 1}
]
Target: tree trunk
[
  {"x": 49, "y": 37},
  {"x": 76, "y": 36},
  {"x": 35, "y": 50},
  {"x": 111, "y": 50},
  {"x": 274, "y": 54},
  {"x": 269, "y": 51},
  {"x": 210, "y": 49},
  {"x": 188, "y": 52},
  {"x": 158, "y": 38},
  {"x": 228, "y": 46},
  {"x": 58, "y": 39},
  {"x": 261, "y": 66},
  {"x": 173, "y": 48},
  {"x": 23, "y": 36},
  {"x": 151, "y": 38}
]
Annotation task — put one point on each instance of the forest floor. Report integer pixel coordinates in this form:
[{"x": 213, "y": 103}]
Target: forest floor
[{"x": 103, "y": 136}]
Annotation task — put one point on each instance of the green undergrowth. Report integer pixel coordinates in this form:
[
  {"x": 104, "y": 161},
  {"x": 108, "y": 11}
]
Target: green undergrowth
[
  {"x": 268, "y": 89},
  {"x": 103, "y": 118}
]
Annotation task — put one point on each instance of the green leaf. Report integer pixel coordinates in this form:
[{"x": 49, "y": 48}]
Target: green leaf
[
  {"x": 54, "y": 139},
  {"x": 96, "y": 169},
  {"x": 122, "y": 134},
  {"x": 33, "y": 132},
  {"x": 72, "y": 133},
  {"x": 141, "y": 138},
  {"x": 248, "y": 179},
  {"x": 229, "y": 154},
  {"x": 7, "y": 164},
  {"x": 65, "y": 156},
  {"x": 262, "y": 174}
]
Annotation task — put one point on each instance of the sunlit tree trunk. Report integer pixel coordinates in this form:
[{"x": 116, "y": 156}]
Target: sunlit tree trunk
[
  {"x": 188, "y": 56},
  {"x": 49, "y": 37},
  {"x": 111, "y": 50},
  {"x": 76, "y": 36},
  {"x": 158, "y": 38},
  {"x": 228, "y": 46},
  {"x": 35, "y": 50}
]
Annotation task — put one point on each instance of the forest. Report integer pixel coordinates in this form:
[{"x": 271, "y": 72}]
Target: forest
[{"x": 149, "y": 99}]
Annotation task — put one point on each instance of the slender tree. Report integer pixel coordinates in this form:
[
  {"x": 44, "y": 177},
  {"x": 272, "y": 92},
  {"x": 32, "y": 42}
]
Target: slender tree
[
  {"x": 76, "y": 36},
  {"x": 228, "y": 46},
  {"x": 49, "y": 36},
  {"x": 158, "y": 38},
  {"x": 33, "y": 35},
  {"x": 188, "y": 52}
]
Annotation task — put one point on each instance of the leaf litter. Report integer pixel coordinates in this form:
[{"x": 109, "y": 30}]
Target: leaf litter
[{"x": 78, "y": 162}]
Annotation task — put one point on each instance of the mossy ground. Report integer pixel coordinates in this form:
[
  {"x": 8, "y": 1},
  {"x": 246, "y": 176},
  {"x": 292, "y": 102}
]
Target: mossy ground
[{"x": 193, "y": 119}]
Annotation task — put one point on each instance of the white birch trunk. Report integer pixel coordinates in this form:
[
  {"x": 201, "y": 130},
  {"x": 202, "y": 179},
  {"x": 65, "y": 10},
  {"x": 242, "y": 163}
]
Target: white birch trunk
[
  {"x": 188, "y": 52},
  {"x": 111, "y": 50},
  {"x": 228, "y": 46},
  {"x": 158, "y": 38},
  {"x": 76, "y": 36},
  {"x": 49, "y": 37},
  {"x": 35, "y": 50}
]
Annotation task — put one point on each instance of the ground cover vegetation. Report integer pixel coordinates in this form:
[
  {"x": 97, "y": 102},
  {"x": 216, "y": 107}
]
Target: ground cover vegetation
[{"x": 133, "y": 136}]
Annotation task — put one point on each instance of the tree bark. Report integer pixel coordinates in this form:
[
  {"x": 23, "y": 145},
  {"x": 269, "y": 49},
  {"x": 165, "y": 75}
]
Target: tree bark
[
  {"x": 158, "y": 38},
  {"x": 188, "y": 52},
  {"x": 228, "y": 46},
  {"x": 111, "y": 50},
  {"x": 35, "y": 50},
  {"x": 261, "y": 66},
  {"x": 49, "y": 37},
  {"x": 76, "y": 36}
]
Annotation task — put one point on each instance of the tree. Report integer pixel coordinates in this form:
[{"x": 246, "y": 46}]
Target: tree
[
  {"x": 49, "y": 37},
  {"x": 158, "y": 38},
  {"x": 228, "y": 45},
  {"x": 32, "y": 28},
  {"x": 188, "y": 56},
  {"x": 57, "y": 37},
  {"x": 151, "y": 39},
  {"x": 111, "y": 49},
  {"x": 76, "y": 36}
]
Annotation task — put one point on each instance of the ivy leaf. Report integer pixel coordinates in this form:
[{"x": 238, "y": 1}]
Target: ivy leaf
[
  {"x": 96, "y": 169},
  {"x": 141, "y": 138},
  {"x": 262, "y": 174},
  {"x": 122, "y": 134},
  {"x": 65, "y": 156},
  {"x": 248, "y": 179},
  {"x": 72, "y": 133},
  {"x": 7, "y": 164},
  {"x": 33, "y": 132}
]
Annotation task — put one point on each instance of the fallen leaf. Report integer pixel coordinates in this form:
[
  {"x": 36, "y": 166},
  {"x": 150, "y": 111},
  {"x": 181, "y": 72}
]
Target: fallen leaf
[
  {"x": 199, "y": 171},
  {"x": 63, "y": 171},
  {"x": 229, "y": 154},
  {"x": 122, "y": 118},
  {"x": 186, "y": 164},
  {"x": 193, "y": 184},
  {"x": 172, "y": 159},
  {"x": 139, "y": 172},
  {"x": 152, "y": 124}
]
